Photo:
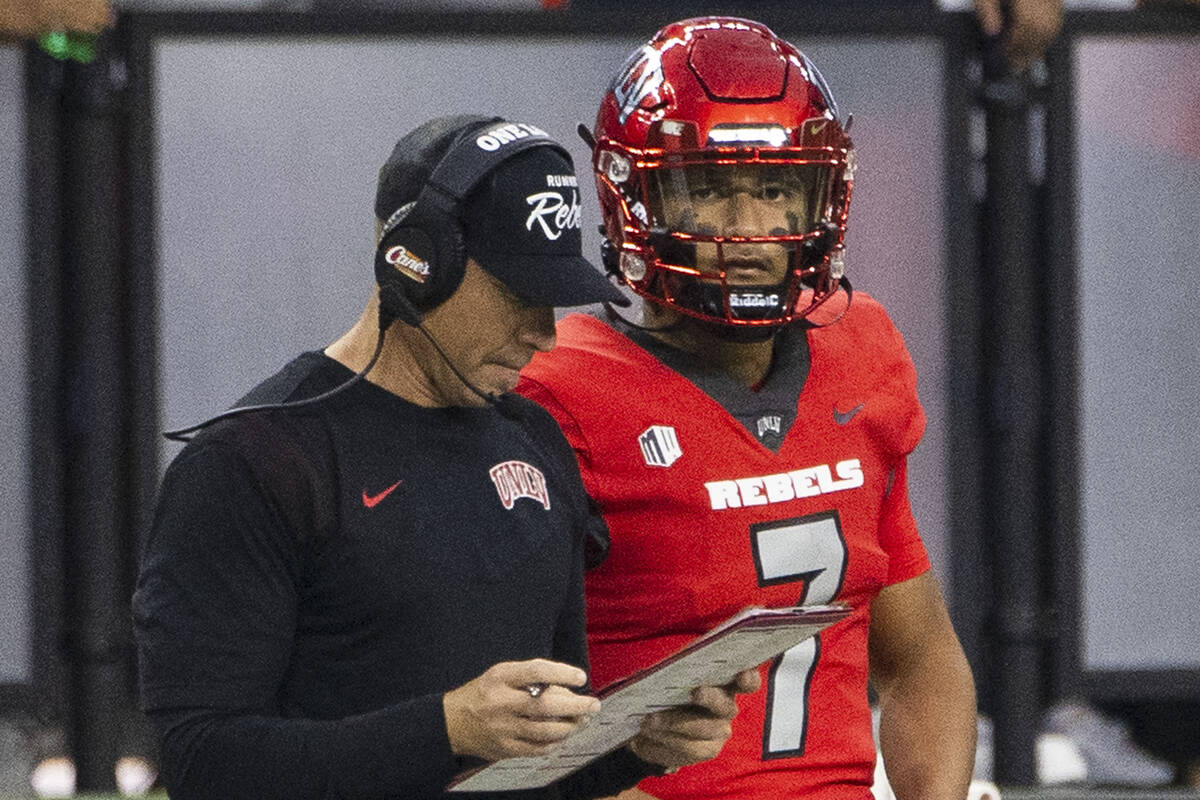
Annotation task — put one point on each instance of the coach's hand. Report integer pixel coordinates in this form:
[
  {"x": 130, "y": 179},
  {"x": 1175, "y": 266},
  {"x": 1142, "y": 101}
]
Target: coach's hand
[
  {"x": 696, "y": 732},
  {"x": 497, "y": 716}
]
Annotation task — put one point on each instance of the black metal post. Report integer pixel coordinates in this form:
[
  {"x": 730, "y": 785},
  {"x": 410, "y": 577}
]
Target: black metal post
[
  {"x": 1062, "y": 378},
  {"x": 94, "y": 421},
  {"x": 1012, "y": 350},
  {"x": 44, "y": 80},
  {"x": 970, "y": 582}
]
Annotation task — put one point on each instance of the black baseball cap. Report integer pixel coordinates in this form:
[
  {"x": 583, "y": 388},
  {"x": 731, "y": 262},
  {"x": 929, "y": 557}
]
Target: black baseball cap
[{"x": 521, "y": 222}]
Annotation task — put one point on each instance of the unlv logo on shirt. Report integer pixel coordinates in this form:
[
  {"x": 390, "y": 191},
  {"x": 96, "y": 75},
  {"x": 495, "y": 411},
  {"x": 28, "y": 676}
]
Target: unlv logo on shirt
[
  {"x": 516, "y": 479},
  {"x": 660, "y": 446}
]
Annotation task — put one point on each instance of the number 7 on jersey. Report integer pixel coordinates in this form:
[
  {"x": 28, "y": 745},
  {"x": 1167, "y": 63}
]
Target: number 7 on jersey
[{"x": 809, "y": 550}]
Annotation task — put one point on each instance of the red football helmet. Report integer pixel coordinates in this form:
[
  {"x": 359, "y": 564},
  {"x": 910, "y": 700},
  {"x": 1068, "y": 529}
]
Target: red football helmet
[{"x": 724, "y": 175}]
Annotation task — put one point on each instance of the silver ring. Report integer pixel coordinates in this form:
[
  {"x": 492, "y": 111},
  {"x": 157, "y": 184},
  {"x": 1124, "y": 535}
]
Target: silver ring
[{"x": 535, "y": 689}]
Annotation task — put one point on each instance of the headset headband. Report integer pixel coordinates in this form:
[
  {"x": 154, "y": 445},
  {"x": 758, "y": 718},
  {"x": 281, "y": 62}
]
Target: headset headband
[{"x": 479, "y": 152}]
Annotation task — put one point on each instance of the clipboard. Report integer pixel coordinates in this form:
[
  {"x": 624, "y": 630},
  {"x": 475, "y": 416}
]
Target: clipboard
[{"x": 745, "y": 640}]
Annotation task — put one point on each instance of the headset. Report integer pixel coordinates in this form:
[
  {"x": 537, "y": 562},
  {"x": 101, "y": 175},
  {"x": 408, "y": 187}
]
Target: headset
[{"x": 420, "y": 253}]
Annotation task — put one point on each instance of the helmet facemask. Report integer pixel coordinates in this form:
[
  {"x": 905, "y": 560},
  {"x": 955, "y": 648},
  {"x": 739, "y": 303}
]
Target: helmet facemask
[
  {"x": 740, "y": 237},
  {"x": 724, "y": 175}
]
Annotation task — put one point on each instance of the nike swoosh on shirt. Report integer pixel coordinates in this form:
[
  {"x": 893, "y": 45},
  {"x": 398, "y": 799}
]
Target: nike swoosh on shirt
[
  {"x": 372, "y": 500},
  {"x": 842, "y": 417}
]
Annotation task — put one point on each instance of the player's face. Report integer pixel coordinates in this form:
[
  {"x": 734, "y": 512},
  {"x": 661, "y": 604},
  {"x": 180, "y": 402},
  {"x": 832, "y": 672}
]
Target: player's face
[
  {"x": 488, "y": 333},
  {"x": 738, "y": 200}
]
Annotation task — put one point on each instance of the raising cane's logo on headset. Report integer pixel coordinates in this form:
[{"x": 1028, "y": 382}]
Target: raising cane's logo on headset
[{"x": 407, "y": 263}]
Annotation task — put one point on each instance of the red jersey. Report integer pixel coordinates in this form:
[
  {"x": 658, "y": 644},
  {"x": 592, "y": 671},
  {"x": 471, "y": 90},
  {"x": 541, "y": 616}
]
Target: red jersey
[{"x": 704, "y": 520}]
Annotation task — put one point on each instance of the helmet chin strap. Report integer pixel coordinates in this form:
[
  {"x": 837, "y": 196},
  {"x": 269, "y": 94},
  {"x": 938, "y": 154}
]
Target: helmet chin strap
[
  {"x": 726, "y": 333},
  {"x": 844, "y": 285},
  {"x": 769, "y": 302},
  {"x": 747, "y": 302}
]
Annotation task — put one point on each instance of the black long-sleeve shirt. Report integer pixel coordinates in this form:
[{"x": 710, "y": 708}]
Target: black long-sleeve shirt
[{"x": 317, "y": 578}]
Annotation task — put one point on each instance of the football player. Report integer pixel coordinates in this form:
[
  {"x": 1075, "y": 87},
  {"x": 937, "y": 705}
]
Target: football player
[{"x": 746, "y": 441}]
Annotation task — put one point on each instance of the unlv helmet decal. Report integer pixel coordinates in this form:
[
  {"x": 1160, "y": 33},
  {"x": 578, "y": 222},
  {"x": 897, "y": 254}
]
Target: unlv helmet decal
[{"x": 640, "y": 79}]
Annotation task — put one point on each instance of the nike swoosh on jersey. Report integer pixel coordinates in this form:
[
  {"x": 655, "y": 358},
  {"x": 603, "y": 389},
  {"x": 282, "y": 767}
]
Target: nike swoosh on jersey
[
  {"x": 372, "y": 500},
  {"x": 842, "y": 417}
]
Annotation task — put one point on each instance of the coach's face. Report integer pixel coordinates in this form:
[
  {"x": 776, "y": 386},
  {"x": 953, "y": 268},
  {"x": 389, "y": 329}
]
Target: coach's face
[{"x": 488, "y": 334}]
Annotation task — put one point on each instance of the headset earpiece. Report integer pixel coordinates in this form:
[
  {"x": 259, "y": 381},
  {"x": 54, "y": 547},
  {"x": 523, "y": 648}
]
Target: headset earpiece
[{"x": 420, "y": 258}]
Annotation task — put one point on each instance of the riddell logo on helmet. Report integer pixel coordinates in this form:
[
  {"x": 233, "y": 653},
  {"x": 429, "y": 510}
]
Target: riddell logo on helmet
[
  {"x": 752, "y": 300},
  {"x": 501, "y": 135},
  {"x": 407, "y": 263}
]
